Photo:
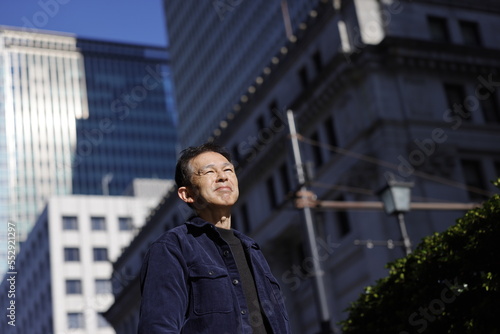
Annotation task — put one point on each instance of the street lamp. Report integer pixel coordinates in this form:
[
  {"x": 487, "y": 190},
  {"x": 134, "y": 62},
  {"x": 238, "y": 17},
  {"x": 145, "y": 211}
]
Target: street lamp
[{"x": 396, "y": 197}]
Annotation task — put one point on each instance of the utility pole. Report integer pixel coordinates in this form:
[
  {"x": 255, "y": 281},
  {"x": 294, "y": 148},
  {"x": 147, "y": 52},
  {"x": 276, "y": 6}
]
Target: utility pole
[{"x": 319, "y": 283}]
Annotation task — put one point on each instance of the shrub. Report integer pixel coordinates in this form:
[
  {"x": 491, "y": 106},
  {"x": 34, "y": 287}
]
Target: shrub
[{"x": 449, "y": 284}]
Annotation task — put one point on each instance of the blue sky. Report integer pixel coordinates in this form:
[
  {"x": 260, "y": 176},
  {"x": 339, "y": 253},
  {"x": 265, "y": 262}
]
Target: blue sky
[{"x": 130, "y": 21}]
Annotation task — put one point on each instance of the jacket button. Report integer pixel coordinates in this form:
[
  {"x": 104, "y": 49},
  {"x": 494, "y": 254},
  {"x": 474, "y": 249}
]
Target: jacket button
[
  {"x": 226, "y": 253},
  {"x": 235, "y": 281},
  {"x": 243, "y": 312},
  {"x": 210, "y": 273}
]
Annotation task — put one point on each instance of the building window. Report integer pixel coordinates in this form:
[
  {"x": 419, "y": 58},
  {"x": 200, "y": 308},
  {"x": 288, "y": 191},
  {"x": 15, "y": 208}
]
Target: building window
[
  {"x": 455, "y": 97},
  {"x": 301, "y": 257},
  {"x": 304, "y": 79},
  {"x": 284, "y": 179},
  {"x": 73, "y": 287},
  {"x": 75, "y": 320},
  {"x": 277, "y": 118},
  {"x": 245, "y": 218},
  {"x": 273, "y": 106},
  {"x": 69, "y": 223},
  {"x": 101, "y": 321},
  {"x": 330, "y": 132},
  {"x": 98, "y": 223},
  {"x": 455, "y": 94},
  {"x": 318, "y": 62},
  {"x": 316, "y": 150},
  {"x": 100, "y": 254},
  {"x": 272, "y": 193},
  {"x": 473, "y": 176},
  {"x": 103, "y": 286},
  {"x": 236, "y": 153},
  {"x": 497, "y": 169},
  {"x": 320, "y": 222},
  {"x": 125, "y": 223},
  {"x": 438, "y": 29},
  {"x": 261, "y": 122},
  {"x": 489, "y": 106},
  {"x": 71, "y": 254},
  {"x": 470, "y": 33},
  {"x": 265, "y": 134},
  {"x": 342, "y": 220}
]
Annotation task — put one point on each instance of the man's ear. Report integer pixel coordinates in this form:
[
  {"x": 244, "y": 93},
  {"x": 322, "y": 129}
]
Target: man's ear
[{"x": 185, "y": 195}]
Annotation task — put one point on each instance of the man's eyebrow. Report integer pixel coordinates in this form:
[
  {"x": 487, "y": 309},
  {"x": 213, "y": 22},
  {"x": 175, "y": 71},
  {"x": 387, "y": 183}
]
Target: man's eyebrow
[{"x": 225, "y": 164}]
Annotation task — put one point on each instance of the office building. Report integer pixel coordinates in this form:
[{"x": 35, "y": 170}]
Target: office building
[
  {"x": 379, "y": 90},
  {"x": 42, "y": 95},
  {"x": 218, "y": 51},
  {"x": 62, "y": 275},
  {"x": 78, "y": 116},
  {"x": 130, "y": 131}
]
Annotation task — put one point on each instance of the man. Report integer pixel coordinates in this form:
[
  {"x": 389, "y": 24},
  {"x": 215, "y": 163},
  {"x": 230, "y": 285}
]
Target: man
[{"x": 203, "y": 276}]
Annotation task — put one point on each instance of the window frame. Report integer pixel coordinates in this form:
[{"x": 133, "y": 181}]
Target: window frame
[
  {"x": 98, "y": 223},
  {"x": 439, "y": 30},
  {"x": 102, "y": 286},
  {"x": 75, "y": 289},
  {"x": 69, "y": 254},
  {"x": 100, "y": 254},
  {"x": 69, "y": 223},
  {"x": 76, "y": 318},
  {"x": 470, "y": 28},
  {"x": 130, "y": 225}
]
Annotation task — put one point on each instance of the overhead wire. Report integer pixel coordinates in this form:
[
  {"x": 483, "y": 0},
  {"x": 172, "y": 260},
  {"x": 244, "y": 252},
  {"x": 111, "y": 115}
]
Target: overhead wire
[
  {"x": 350, "y": 189},
  {"x": 393, "y": 166},
  {"x": 364, "y": 191}
]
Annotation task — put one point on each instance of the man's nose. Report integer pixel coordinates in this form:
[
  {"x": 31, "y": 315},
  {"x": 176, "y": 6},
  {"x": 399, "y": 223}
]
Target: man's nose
[{"x": 222, "y": 175}]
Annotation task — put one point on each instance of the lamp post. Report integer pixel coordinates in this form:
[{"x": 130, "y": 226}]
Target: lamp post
[{"x": 396, "y": 198}]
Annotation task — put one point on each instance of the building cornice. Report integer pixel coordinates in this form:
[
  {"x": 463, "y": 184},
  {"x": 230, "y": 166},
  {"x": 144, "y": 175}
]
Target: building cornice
[{"x": 395, "y": 54}]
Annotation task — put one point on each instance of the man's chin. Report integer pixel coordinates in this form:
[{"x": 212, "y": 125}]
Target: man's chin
[
  {"x": 229, "y": 199},
  {"x": 216, "y": 204}
]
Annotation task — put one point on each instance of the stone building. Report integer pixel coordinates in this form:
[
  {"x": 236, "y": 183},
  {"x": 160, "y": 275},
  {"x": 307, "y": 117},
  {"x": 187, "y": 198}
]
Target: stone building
[{"x": 380, "y": 90}]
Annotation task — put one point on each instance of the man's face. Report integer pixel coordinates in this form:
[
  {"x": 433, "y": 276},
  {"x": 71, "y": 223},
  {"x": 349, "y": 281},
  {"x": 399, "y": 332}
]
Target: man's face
[{"x": 213, "y": 181}]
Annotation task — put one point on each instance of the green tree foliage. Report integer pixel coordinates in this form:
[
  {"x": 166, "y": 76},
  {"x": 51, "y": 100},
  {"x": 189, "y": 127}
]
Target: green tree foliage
[{"x": 449, "y": 284}]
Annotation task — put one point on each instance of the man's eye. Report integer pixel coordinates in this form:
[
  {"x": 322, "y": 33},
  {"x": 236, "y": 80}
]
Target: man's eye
[
  {"x": 209, "y": 172},
  {"x": 228, "y": 170}
]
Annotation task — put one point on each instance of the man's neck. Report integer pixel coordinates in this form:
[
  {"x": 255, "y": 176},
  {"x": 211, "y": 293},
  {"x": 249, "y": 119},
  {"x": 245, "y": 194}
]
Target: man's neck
[{"x": 219, "y": 219}]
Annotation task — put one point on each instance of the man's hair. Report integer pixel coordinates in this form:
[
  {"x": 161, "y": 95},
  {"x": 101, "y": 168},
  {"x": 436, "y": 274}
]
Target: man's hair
[{"x": 182, "y": 169}]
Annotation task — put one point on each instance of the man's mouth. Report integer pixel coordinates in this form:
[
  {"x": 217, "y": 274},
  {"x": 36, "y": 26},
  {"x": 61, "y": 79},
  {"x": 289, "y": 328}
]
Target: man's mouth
[{"x": 223, "y": 188}]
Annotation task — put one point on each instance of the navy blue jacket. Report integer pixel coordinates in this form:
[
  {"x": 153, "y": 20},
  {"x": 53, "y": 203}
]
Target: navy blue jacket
[{"x": 190, "y": 284}]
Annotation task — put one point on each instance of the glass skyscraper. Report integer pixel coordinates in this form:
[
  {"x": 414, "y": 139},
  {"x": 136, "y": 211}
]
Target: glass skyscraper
[
  {"x": 130, "y": 130},
  {"x": 42, "y": 96},
  {"x": 220, "y": 50},
  {"x": 78, "y": 116}
]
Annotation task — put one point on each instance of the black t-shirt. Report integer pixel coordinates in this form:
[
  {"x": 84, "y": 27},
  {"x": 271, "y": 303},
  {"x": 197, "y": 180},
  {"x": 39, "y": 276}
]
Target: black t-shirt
[{"x": 257, "y": 320}]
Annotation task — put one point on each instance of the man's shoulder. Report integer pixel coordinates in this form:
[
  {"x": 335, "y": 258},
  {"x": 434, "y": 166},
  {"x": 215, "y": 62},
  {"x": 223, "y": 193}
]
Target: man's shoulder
[
  {"x": 172, "y": 234},
  {"x": 192, "y": 226}
]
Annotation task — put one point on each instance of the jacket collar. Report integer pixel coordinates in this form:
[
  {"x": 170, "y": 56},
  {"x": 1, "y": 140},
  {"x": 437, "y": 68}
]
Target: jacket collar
[{"x": 203, "y": 224}]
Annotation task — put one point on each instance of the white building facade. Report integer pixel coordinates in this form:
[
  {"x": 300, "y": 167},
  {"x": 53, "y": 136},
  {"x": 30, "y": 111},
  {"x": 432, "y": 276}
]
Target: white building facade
[{"x": 63, "y": 272}]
